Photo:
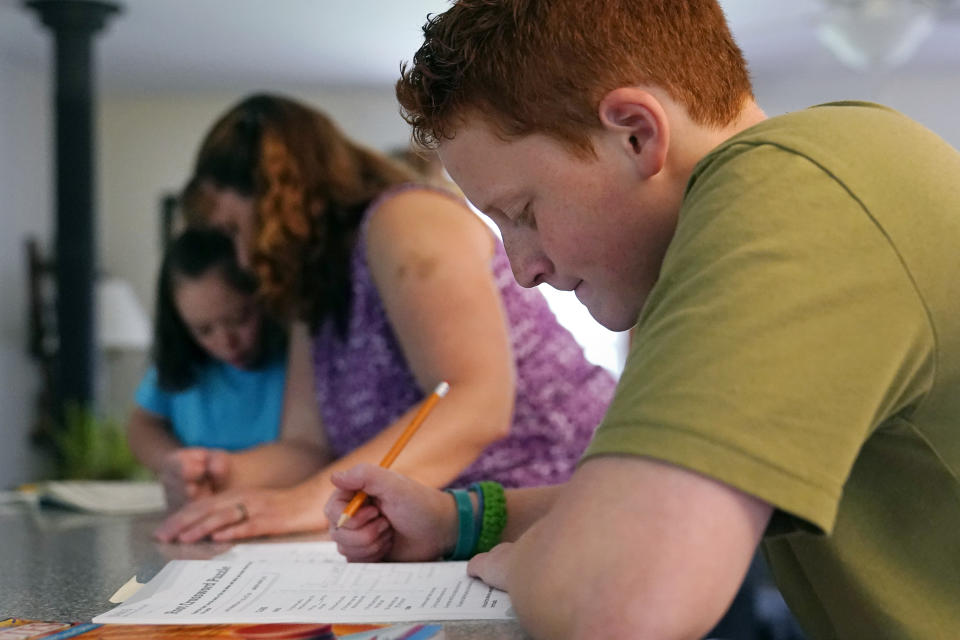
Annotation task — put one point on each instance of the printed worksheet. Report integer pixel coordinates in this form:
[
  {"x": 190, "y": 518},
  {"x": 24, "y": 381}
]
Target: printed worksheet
[
  {"x": 229, "y": 590},
  {"x": 300, "y": 552}
]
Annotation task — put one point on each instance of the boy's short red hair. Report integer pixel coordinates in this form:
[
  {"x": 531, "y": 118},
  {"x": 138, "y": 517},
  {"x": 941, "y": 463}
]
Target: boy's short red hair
[{"x": 542, "y": 66}]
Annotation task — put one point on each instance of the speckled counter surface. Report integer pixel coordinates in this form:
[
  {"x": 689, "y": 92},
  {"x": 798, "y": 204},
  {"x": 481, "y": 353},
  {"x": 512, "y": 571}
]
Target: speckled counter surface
[{"x": 60, "y": 565}]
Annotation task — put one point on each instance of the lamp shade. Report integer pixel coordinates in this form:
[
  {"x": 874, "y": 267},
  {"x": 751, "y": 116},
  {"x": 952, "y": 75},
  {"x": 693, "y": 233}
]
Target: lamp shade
[
  {"x": 875, "y": 34},
  {"x": 121, "y": 321}
]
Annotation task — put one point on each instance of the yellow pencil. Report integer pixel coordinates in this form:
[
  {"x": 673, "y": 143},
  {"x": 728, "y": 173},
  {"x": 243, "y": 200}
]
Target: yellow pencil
[{"x": 397, "y": 447}]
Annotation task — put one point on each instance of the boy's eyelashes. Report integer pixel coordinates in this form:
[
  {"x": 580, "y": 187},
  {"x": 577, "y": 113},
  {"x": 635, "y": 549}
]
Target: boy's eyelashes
[
  {"x": 495, "y": 214},
  {"x": 526, "y": 218}
]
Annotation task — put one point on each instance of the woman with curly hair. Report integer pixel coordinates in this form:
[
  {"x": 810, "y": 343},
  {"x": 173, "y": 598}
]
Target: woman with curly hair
[{"x": 388, "y": 287}]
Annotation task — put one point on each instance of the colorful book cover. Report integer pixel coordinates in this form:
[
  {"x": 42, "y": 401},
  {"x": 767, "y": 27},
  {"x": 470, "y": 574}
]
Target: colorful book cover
[{"x": 20, "y": 629}]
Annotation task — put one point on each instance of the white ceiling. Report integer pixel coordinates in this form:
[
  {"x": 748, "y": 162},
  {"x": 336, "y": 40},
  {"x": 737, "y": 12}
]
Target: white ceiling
[{"x": 184, "y": 45}]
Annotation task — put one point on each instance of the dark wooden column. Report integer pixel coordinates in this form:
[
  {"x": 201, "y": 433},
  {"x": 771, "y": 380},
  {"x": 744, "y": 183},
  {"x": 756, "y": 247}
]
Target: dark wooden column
[{"x": 74, "y": 24}]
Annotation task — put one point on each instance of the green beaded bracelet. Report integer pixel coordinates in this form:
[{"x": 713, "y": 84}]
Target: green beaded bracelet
[
  {"x": 466, "y": 531},
  {"x": 494, "y": 516}
]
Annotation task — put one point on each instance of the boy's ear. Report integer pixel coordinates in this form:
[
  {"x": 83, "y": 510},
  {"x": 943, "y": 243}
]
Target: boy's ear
[{"x": 639, "y": 123}]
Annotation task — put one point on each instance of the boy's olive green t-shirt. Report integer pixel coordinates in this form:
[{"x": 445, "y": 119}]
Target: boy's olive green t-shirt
[{"x": 802, "y": 344}]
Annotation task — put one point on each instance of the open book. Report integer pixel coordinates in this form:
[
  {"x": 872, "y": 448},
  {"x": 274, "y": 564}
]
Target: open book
[{"x": 99, "y": 496}]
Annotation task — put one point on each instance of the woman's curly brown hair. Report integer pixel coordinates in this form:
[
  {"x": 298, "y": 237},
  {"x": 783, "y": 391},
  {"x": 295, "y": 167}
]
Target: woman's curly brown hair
[{"x": 310, "y": 185}]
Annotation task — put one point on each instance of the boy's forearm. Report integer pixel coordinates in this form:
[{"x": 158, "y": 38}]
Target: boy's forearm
[
  {"x": 661, "y": 560},
  {"x": 525, "y": 507}
]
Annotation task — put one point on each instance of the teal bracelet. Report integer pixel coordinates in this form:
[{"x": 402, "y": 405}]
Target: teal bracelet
[
  {"x": 493, "y": 517},
  {"x": 478, "y": 521},
  {"x": 466, "y": 530}
]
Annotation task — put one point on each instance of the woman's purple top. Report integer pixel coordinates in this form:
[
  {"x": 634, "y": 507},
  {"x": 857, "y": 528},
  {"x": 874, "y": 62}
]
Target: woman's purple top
[{"x": 363, "y": 383}]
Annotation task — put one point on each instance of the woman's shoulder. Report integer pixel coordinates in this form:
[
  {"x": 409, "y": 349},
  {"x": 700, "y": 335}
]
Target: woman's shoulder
[
  {"x": 414, "y": 196},
  {"x": 421, "y": 215}
]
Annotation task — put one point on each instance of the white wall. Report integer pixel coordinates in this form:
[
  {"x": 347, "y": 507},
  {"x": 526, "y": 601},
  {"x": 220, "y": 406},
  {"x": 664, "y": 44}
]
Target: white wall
[
  {"x": 25, "y": 209},
  {"x": 932, "y": 97}
]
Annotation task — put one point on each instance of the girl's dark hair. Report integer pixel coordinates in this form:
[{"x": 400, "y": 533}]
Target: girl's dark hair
[
  {"x": 193, "y": 254},
  {"x": 310, "y": 185}
]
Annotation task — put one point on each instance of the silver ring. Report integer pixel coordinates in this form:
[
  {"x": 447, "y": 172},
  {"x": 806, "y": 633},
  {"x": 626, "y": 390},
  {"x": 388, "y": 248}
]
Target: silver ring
[{"x": 243, "y": 511}]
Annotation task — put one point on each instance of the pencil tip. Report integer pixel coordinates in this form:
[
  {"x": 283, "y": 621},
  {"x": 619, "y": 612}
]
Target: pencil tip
[{"x": 343, "y": 518}]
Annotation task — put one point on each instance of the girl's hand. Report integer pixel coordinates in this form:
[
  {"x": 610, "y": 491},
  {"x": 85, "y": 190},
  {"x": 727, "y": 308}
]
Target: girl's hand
[
  {"x": 403, "y": 520},
  {"x": 192, "y": 473},
  {"x": 245, "y": 513},
  {"x": 183, "y": 473}
]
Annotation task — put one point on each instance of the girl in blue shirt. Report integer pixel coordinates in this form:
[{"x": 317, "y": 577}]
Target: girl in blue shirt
[{"x": 217, "y": 385}]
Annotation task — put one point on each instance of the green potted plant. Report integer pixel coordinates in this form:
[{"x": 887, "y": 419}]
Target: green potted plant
[{"x": 90, "y": 447}]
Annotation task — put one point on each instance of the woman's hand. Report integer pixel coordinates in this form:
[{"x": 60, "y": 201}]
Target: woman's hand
[
  {"x": 192, "y": 473},
  {"x": 245, "y": 513},
  {"x": 403, "y": 519}
]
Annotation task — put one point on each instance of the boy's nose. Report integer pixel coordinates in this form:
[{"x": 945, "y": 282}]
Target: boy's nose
[
  {"x": 529, "y": 275},
  {"x": 530, "y": 266}
]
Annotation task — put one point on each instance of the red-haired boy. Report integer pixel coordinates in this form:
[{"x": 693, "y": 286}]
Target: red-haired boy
[{"x": 796, "y": 358}]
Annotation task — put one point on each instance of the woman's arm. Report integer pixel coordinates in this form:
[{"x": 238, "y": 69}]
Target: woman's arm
[
  {"x": 301, "y": 449},
  {"x": 430, "y": 259}
]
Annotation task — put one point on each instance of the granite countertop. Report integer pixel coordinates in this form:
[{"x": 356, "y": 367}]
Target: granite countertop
[{"x": 61, "y": 565}]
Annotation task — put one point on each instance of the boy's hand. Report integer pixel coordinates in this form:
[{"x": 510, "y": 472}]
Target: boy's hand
[
  {"x": 402, "y": 520},
  {"x": 493, "y": 567}
]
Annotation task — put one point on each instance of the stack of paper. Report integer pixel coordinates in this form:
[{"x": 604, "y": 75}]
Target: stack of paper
[{"x": 307, "y": 582}]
